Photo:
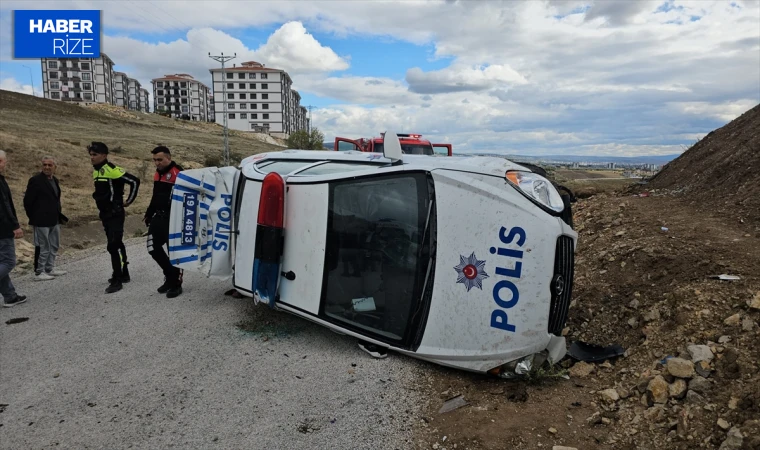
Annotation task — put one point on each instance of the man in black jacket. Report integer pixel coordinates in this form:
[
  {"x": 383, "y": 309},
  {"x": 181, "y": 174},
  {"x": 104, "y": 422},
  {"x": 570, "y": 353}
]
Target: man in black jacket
[
  {"x": 157, "y": 219},
  {"x": 9, "y": 230},
  {"x": 42, "y": 203},
  {"x": 109, "y": 182}
]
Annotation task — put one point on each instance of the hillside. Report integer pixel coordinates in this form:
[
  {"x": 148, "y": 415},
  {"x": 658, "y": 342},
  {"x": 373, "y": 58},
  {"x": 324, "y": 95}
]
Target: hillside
[
  {"x": 31, "y": 127},
  {"x": 721, "y": 171}
]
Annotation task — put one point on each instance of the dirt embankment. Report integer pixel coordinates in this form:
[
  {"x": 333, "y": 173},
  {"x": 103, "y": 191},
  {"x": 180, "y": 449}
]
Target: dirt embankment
[{"x": 33, "y": 127}]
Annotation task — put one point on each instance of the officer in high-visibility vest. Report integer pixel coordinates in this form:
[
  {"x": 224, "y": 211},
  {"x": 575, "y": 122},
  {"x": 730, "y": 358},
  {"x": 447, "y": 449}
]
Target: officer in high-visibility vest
[{"x": 109, "y": 182}]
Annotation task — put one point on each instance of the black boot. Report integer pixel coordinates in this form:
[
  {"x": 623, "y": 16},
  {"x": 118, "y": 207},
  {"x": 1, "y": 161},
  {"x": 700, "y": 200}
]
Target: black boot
[
  {"x": 164, "y": 287},
  {"x": 125, "y": 273},
  {"x": 115, "y": 286}
]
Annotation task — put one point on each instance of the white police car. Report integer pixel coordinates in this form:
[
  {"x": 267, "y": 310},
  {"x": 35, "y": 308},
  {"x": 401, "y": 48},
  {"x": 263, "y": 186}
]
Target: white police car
[{"x": 462, "y": 261}]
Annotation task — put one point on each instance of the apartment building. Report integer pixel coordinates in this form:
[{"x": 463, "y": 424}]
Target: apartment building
[
  {"x": 133, "y": 94},
  {"x": 212, "y": 113},
  {"x": 144, "y": 100},
  {"x": 120, "y": 89},
  {"x": 182, "y": 96},
  {"x": 81, "y": 81},
  {"x": 255, "y": 98}
]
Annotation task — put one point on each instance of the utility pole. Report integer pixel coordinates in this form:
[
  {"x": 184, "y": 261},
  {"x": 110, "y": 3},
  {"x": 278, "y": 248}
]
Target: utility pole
[
  {"x": 223, "y": 59},
  {"x": 31, "y": 79}
]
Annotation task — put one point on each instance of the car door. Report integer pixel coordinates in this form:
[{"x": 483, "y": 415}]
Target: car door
[
  {"x": 442, "y": 149},
  {"x": 201, "y": 226},
  {"x": 344, "y": 144}
]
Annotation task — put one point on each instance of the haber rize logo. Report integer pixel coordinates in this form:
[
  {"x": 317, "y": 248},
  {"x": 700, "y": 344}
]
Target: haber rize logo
[{"x": 56, "y": 33}]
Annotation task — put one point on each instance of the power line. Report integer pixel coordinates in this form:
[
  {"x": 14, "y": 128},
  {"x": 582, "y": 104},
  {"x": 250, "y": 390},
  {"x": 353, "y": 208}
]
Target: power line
[{"x": 223, "y": 59}]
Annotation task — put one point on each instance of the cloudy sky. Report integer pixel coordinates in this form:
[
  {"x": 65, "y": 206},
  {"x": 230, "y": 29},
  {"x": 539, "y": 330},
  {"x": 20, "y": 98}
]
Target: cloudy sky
[{"x": 616, "y": 78}]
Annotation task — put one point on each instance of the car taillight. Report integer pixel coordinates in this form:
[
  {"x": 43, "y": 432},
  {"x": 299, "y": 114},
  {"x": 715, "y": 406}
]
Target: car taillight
[{"x": 272, "y": 201}]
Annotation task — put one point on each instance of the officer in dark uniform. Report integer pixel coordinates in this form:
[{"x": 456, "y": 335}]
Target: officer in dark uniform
[
  {"x": 109, "y": 182},
  {"x": 157, "y": 219}
]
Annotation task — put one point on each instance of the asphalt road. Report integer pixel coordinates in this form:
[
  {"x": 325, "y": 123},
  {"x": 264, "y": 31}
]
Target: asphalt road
[{"x": 137, "y": 370}]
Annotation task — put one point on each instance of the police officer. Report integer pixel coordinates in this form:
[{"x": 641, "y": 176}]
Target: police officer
[
  {"x": 109, "y": 182},
  {"x": 157, "y": 219}
]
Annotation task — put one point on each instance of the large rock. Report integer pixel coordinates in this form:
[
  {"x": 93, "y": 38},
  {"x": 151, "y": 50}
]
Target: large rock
[
  {"x": 700, "y": 385},
  {"x": 610, "y": 395},
  {"x": 582, "y": 369},
  {"x": 681, "y": 368},
  {"x": 677, "y": 389},
  {"x": 733, "y": 321},
  {"x": 755, "y": 302},
  {"x": 700, "y": 353},
  {"x": 733, "y": 441},
  {"x": 657, "y": 390}
]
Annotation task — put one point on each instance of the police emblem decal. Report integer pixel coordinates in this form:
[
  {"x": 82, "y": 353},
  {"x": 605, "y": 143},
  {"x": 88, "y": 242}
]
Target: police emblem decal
[{"x": 471, "y": 271}]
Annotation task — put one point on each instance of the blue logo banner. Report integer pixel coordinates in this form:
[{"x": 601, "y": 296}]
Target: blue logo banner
[{"x": 42, "y": 33}]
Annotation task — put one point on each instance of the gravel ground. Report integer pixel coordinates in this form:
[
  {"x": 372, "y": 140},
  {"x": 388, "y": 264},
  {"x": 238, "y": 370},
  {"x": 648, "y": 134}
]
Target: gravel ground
[{"x": 137, "y": 370}]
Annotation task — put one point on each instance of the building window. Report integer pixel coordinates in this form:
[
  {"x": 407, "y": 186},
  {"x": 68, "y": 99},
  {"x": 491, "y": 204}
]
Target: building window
[
  {"x": 265, "y": 106},
  {"x": 52, "y": 64},
  {"x": 160, "y": 107},
  {"x": 87, "y": 86},
  {"x": 253, "y": 125},
  {"x": 183, "y": 93},
  {"x": 84, "y": 66},
  {"x": 242, "y": 96},
  {"x": 243, "y": 106},
  {"x": 231, "y": 115},
  {"x": 184, "y": 101},
  {"x": 254, "y": 116},
  {"x": 241, "y": 85},
  {"x": 230, "y": 106},
  {"x": 88, "y": 96},
  {"x": 159, "y": 84},
  {"x": 265, "y": 116},
  {"x": 264, "y": 85},
  {"x": 77, "y": 85},
  {"x": 184, "y": 109},
  {"x": 230, "y": 96},
  {"x": 55, "y": 85},
  {"x": 241, "y": 76},
  {"x": 160, "y": 92},
  {"x": 230, "y": 75},
  {"x": 161, "y": 101},
  {"x": 265, "y": 96},
  {"x": 264, "y": 76},
  {"x": 254, "y": 105},
  {"x": 183, "y": 84},
  {"x": 252, "y": 76},
  {"x": 253, "y": 85},
  {"x": 230, "y": 85},
  {"x": 53, "y": 74},
  {"x": 243, "y": 115},
  {"x": 253, "y": 96},
  {"x": 55, "y": 95}
]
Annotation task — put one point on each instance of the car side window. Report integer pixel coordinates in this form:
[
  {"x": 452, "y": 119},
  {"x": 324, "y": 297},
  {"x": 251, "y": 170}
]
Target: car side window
[{"x": 373, "y": 271}]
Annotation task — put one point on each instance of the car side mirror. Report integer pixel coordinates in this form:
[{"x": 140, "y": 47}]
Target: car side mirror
[{"x": 392, "y": 146}]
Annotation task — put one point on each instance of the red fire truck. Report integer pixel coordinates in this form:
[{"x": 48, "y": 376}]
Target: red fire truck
[{"x": 412, "y": 144}]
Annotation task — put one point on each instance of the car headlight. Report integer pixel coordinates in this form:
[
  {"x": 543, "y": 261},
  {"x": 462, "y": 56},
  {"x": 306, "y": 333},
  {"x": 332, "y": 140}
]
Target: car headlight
[{"x": 537, "y": 188}]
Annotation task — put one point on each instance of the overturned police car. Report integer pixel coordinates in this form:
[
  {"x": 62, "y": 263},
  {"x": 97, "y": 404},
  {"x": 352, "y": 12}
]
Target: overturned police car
[{"x": 466, "y": 262}]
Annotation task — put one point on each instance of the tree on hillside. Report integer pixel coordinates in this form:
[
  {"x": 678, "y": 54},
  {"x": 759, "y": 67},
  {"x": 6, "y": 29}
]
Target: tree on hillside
[{"x": 303, "y": 140}]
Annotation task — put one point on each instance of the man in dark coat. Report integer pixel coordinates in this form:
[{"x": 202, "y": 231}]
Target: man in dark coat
[
  {"x": 9, "y": 230},
  {"x": 42, "y": 203}
]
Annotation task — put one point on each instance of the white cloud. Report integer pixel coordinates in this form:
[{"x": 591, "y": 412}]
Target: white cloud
[
  {"x": 12, "y": 84},
  {"x": 462, "y": 78},
  {"x": 292, "y": 48}
]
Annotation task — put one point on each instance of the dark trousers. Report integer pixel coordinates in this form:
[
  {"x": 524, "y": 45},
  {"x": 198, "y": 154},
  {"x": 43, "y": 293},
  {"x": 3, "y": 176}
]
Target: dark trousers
[
  {"x": 114, "y": 228},
  {"x": 158, "y": 236}
]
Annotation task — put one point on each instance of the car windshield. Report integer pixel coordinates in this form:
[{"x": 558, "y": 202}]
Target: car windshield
[
  {"x": 376, "y": 256},
  {"x": 409, "y": 149}
]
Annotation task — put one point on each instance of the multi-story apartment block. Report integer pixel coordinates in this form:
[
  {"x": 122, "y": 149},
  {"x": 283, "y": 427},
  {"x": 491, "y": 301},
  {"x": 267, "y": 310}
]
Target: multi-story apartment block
[
  {"x": 255, "y": 98},
  {"x": 82, "y": 81},
  {"x": 144, "y": 100},
  {"x": 120, "y": 88},
  {"x": 182, "y": 96},
  {"x": 212, "y": 114},
  {"x": 133, "y": 94}
]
